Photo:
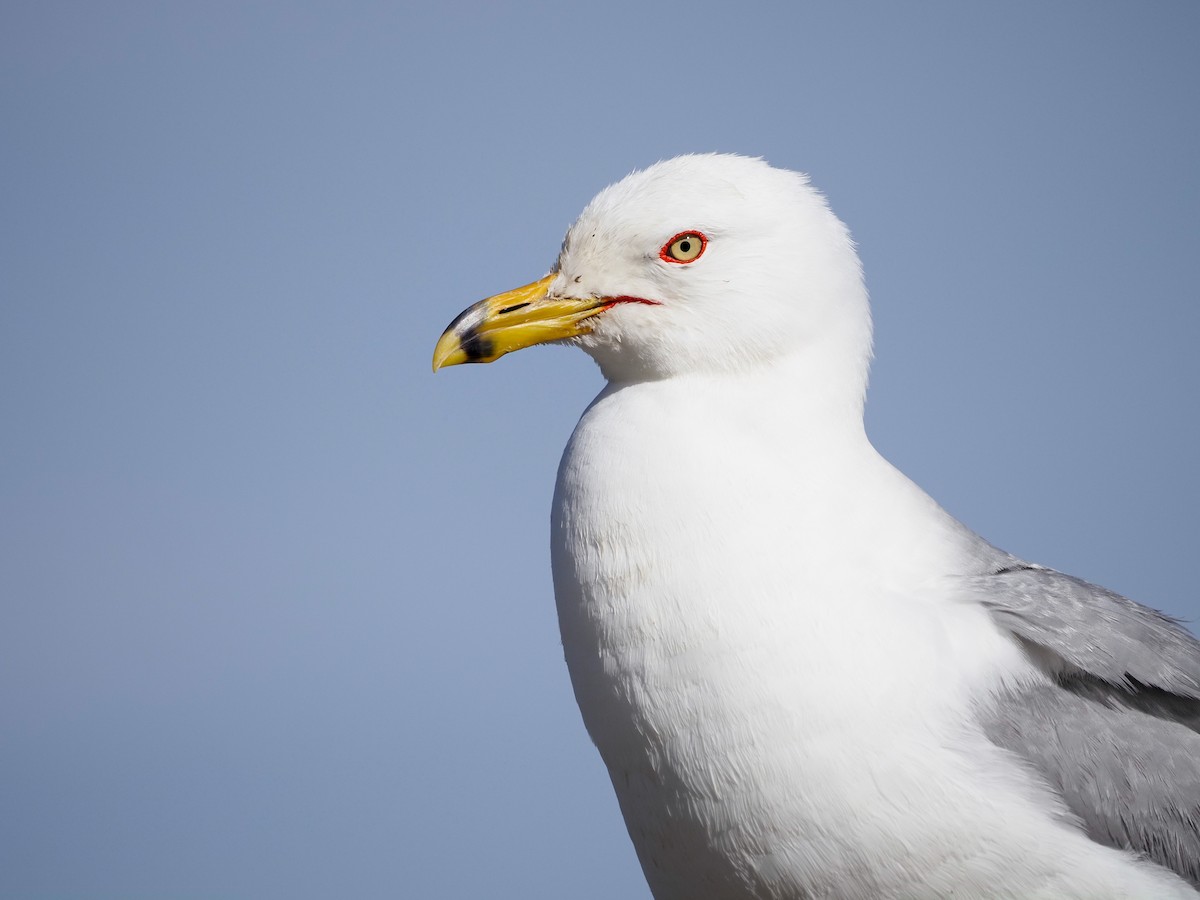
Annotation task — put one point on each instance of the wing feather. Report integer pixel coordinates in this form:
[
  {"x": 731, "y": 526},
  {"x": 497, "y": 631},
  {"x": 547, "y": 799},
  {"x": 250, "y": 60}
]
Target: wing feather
[
  {"x": 1116, "y": 729},
  {"x": 1092, "y": 629}
]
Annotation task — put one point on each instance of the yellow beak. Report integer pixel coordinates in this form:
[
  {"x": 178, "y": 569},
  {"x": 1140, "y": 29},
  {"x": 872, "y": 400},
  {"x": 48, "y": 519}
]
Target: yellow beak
[{"x": 511, "y": 321}]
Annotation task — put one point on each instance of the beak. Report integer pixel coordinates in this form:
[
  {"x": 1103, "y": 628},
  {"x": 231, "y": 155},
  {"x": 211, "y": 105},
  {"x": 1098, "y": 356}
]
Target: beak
[{"x": 512, "y": 321}]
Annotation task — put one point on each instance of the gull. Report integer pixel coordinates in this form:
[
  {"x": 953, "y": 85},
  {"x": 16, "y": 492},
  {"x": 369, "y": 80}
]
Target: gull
[{"x": 805, "y": 678}]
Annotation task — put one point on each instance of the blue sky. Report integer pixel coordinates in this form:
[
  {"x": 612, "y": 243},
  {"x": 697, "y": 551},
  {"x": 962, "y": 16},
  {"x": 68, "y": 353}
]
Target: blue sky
[{"x": 276, "y": 606}]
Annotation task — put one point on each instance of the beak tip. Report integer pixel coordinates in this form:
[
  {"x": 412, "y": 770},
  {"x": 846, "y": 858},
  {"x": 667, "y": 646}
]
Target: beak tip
[{"x": 448, "y": 347}]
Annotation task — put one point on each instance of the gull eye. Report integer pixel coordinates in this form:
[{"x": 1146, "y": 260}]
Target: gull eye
[{"x": 685, "y": 247}]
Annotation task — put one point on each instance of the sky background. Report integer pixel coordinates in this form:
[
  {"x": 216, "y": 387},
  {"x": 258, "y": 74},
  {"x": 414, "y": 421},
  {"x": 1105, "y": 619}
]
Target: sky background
[{"x": 275, "y": 605}]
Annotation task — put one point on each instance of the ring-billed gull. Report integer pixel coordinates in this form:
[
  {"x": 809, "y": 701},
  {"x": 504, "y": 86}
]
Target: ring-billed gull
[{"x": 805, "y": 678}]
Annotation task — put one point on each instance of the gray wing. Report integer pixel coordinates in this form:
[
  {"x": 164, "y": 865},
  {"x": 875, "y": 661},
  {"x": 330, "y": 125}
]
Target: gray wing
[{"x": 1117, "y": 731}]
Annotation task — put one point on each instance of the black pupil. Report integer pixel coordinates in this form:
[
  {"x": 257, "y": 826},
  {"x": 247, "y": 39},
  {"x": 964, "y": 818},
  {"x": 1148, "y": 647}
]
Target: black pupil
[{"x": 685, "y": 246}]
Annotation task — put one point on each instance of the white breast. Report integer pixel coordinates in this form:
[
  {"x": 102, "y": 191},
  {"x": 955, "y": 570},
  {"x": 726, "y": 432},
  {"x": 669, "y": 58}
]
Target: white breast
[{"x": 775, "y": 696}]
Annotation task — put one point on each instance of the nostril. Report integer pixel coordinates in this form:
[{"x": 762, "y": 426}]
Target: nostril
[{"x": 512, "y": 308}]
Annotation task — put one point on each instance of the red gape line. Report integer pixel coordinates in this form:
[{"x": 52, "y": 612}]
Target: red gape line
[{"x": 610, "y": 302}]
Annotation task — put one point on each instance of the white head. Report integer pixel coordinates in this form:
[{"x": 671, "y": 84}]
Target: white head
[
  {"x": 761, "y": 271},
  {"x": 778, "y": 271}
]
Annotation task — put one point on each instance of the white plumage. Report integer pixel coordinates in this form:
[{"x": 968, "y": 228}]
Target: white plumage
[{"x": 789, "y": 657}]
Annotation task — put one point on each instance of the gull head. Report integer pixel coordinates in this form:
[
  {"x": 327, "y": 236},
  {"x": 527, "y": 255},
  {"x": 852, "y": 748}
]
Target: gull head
[{"x": 701, "y": 263}]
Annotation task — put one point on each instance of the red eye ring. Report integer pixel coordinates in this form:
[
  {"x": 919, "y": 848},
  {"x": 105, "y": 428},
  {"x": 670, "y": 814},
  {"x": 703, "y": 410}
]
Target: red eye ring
[{"x": 686, "y": 247}]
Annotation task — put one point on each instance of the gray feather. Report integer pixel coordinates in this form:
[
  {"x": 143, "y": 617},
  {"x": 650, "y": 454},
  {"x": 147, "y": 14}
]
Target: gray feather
[
  {"x": 1131, "y": 777},
  {"x": 1116, "y": 731},
  {"x": 1091, "y": 628}
]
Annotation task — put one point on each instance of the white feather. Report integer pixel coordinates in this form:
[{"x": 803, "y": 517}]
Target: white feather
[{"x": 754, "y": 604}]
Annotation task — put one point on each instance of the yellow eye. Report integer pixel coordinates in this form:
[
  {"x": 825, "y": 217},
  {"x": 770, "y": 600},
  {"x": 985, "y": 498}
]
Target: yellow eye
[{"x": 685, "y": 247}]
